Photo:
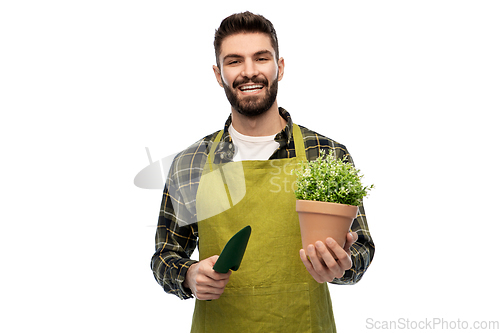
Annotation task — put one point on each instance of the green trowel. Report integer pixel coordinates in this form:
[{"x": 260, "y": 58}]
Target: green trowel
[{"x": 232, "y": 254}]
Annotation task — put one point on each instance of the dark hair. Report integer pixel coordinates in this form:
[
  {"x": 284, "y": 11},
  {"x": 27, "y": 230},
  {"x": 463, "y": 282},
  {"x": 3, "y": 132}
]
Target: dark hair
[{"x": 244, "y": 22}]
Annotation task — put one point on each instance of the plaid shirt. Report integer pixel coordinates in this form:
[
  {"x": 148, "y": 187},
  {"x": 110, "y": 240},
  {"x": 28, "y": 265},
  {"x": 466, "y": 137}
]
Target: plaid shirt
[{"x": 177, "y": 230}]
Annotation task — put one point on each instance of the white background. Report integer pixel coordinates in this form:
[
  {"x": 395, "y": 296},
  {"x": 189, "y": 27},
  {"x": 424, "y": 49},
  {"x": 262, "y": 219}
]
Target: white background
[{"x": 410, "y": 87}]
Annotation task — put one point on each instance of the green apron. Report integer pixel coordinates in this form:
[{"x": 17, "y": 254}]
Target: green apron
[{"x": 272, "y": 290}]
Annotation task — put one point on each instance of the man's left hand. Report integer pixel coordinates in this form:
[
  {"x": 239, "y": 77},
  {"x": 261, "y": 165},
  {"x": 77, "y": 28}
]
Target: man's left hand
[{"x": 322, "y": 265}]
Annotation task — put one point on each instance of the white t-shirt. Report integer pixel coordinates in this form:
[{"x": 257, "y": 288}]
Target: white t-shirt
[{"x": 252, "y": 147}]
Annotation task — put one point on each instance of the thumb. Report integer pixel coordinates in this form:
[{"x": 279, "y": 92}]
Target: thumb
[{"x": 212, "y": 260}]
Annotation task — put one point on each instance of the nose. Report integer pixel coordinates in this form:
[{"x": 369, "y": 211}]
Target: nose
[{"x": 249, "y": 69}]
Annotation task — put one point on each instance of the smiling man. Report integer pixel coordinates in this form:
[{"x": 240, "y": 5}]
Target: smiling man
[{"x": 279, "y": 286}]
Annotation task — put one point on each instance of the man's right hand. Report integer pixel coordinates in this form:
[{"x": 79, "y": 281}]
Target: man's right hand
[{"x": 204, "y": 282}]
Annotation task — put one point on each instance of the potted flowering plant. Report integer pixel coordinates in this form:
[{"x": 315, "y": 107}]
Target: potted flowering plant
[{"x": 328, "y": 193}]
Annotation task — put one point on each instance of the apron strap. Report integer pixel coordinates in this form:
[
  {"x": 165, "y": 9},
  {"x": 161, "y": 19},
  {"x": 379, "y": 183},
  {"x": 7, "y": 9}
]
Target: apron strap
[
  {"x": 215, "y": 143},
  {"x": 298, "y": 140}
]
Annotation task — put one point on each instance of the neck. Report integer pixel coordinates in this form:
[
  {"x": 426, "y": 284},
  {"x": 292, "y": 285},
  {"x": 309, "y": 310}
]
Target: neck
[{"x": 268, "y": 123}]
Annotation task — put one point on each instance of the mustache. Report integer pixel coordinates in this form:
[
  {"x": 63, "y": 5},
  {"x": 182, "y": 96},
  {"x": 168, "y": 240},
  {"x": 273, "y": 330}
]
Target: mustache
[{"x": 253, "y": 80}]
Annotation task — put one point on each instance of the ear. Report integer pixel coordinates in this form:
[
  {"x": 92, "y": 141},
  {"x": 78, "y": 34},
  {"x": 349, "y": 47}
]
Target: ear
[
  {"x": 218, "y": 75},
  {"x": 281, "y": 68}
]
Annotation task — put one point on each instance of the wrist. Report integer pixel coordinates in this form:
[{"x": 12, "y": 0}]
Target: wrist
[{"x": 189, "y": 272}]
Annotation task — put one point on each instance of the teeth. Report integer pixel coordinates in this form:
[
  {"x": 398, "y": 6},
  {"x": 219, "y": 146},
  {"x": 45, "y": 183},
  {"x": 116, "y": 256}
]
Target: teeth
[{"x": 252, "y": 87}]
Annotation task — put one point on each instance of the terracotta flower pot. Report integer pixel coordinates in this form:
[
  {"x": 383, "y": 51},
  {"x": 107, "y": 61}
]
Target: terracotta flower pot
[{"x": 320, "y": 220}]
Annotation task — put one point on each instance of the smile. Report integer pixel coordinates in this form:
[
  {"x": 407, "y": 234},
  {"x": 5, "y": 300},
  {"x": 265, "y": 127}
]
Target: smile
[{"x": 251, "y": 88}]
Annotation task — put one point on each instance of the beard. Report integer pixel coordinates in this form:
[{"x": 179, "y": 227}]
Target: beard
[{"x": 252, "y": 106}]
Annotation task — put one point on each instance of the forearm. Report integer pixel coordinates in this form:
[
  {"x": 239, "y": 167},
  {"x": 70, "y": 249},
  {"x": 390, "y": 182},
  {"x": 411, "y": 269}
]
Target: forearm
[
  {"x": 169, "y": 270},
  {"x": 171, "y": 260},
  {"x": 360, "y": 262},
  {"x": 174, "y": 245}
]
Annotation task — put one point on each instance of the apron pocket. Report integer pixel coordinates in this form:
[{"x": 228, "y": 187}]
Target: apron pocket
[{"x": 275, "y": 308}]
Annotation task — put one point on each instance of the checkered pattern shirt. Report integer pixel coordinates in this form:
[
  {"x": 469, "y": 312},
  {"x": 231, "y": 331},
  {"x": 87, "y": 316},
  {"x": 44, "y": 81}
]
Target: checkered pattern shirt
[{"x": 177, "y": 231}]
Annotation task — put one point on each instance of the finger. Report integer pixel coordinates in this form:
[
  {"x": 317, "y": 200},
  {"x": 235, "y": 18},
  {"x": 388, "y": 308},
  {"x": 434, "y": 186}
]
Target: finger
[
  {"x": 308, "y": 265},
  {"x": 207, "y": 296},
  {"x": 313, "y": 257},
  {"x": 343, "y": 257},
  {"x": 209, "y": 271},
  {"x": 206, "y": 280},
  {"x": 328, "y": 259},
  {"x": 217, "y": 281},
  {"x": 218, "y": 276},
  {"x": 351, "y": 238},
  {"x": 323, "y": 273},
  {"x": 333, "y": 246},
  {"x": 208, "y": 289},
  {"x": 207, "y": 292},
  {"x": 305, "y": 260}
]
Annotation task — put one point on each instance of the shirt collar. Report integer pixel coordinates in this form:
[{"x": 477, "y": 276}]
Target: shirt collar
[
  {"x": 285, "y": 134},
  {"x": 225, "y": 150}
]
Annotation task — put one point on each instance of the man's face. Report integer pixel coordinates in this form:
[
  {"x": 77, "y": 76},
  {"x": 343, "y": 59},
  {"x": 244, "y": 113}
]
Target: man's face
[{"x": 249, "y": 72}]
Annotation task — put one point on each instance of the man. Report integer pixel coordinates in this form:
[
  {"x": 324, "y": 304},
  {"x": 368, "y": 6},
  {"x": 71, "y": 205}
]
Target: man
[{"x": 279, "y": 286}]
